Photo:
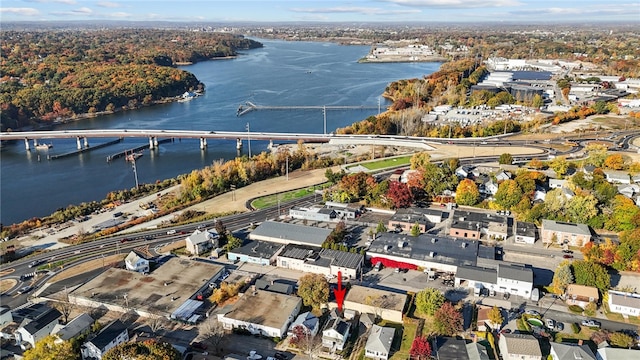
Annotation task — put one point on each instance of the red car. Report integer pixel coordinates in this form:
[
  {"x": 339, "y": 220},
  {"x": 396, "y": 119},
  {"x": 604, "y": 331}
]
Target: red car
[
  {"x": 567, "y": 256},
  {"x": 124, "y": 240}
]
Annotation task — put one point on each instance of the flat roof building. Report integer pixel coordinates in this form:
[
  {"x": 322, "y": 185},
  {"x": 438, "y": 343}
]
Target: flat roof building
[{"x": 285, "y": 233}]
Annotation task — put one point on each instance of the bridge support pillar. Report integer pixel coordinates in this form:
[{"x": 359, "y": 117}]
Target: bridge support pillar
[
  {"x": 151, "y": 144},
  {"x": 26, "y": 144},
  {"x": 155, "y": 141},
  {"x": 86, "y": 142},
  {"x": 238, "y": 144},
  {"x": 270, "y": 144},
  {"x": 35, "y": 142},
  {"x": 203, "y": 143},
  {"x": 78, "y": 143}
]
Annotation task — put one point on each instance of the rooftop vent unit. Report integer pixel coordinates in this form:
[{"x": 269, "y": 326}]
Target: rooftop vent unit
[
  {"x": 463, "y": 245},
  {"x": 432, "y": 254},
  {"x": 387, "y": 247},
  {"x": 401, "y": 244},
  {"x": 433, "y": 240}
]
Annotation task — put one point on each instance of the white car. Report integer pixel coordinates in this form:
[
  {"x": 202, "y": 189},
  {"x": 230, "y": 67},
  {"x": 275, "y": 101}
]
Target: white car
[
  {"x": 551, "y": 324},
  {"x": 171, "y": 232}
]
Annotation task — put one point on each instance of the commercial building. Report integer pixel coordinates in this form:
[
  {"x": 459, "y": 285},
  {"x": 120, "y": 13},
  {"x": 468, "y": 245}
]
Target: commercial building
[
  {"x": 506, "y": 279},
  {"x": 383, "y": 304},
  {"x": 256, "y": 252},
  {"x": 564, "y": 233},
  {"x": 286, "y": 233},
  {"x": 526, "y": 233},
  {"x": 320, "y": 261}
]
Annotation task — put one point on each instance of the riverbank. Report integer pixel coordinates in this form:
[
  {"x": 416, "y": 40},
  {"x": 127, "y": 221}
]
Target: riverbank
[{"x": 402, "y": 59}]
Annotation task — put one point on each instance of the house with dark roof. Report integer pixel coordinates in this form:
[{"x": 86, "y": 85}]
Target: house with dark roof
[
  {"x": 286, "y": 233},
  {"x": 379, "y": 342},
  {"x": 273, "y": 286},
  {"x": 306, "y": 323},
  {"x": 335, "y": 334},
  {"x": 564, "y": 233},
  {"x": 625, "y": 303},
  {"x": 425, "y": 251},
  {"x": 138, "y": 261},
  {"x": 472, "y": 225},
  {"x": 476, "y": 277},
  {"x": 320, "y": 261},
  {"x": 447, "y": 348},
  {"x": 256, "y": 252},
  {"x": 515, "y": 280},
  {"x": 525, "y": 232},
  {"x": 111, "y": 336},
  {"x": 404, "y": 221},
  {"x": 34, "y": 329},
  {"x": 519, "y": 347}
]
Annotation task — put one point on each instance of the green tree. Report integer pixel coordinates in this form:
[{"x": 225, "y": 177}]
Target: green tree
[
  {"x": 495, "y": 316},
  {"x": 48, "y": 349},
  {"x": 505, "y": 159},
  {"x": 415, "y": 229},
  {"x": 233, "y": 242},
  {"x": 143, "y": 350},
  {"x": 314, "y": 291},
  {"x": 429, "y": 300},
  {"x": 537, "y": 101},
  {"x": 582, "y": 208},
  {"x": 509, "y": 194},
  {"x": 562, "y": 277},
  {"x": 380, "y": 228},
  {"x": 621, "y": 340},
  {"x": 560, "y": 165},
  {"x": 591, "y": 274},
  {"x": 419, "y": 161},
  {"x": 467, "y": 193}
]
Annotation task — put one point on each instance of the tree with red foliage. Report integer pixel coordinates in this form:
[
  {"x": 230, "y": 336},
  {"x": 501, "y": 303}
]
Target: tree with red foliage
[
  {"x": 420, "y": 348},
  {"x": 447, "y": 320},
  {"x": 399, "y": 195}
]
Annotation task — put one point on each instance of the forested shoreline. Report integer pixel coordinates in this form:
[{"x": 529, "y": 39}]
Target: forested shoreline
[{"x": 49, "y": 76}]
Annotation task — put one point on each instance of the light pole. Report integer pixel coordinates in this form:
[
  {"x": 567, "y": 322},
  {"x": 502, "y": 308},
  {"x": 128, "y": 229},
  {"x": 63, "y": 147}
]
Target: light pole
[
  {"x": 324, "y": 115},
  {"x": 135, "y": 172},
  {"x": 233, "y": 192},
  {"x": 249, "y": 140},
  {"x": 287, "y": 167}
]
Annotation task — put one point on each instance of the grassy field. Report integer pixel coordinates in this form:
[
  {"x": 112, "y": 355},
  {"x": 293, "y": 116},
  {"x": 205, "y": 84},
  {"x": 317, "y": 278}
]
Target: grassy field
[
  {"x": 272, "y": 200},
  {"x": 405, "y": 333},
  {"x": 385, "y": 163}
]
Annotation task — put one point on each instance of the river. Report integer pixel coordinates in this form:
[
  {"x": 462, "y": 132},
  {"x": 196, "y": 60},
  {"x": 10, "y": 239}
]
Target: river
[{"x": 281, "y": 73}]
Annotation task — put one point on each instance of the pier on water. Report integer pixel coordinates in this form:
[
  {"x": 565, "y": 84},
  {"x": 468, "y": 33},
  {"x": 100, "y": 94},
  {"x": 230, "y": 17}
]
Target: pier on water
[
  {"x": 84, "y": 149},
  {"x": 249, "y": 106},
  {"x": 136, "y": 149}
]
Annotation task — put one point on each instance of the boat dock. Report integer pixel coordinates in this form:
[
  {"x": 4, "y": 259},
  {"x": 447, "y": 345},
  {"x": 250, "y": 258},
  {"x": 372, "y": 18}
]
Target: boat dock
[
  {"x": 249, "y": 106},
  {"x": 83, "y": 150},
  {"x": 134, "y": 150}
]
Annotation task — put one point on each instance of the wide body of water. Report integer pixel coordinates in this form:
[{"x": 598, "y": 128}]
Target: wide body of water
[{"x": 281, "y": 73}]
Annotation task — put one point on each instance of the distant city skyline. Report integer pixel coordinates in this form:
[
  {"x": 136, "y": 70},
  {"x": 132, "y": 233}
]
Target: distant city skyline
[{"x": 363, "y": 11}]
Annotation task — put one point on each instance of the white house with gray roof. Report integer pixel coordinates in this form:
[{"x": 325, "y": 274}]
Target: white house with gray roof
[
  {"x": 137, "y": 261},
  {"x": 285, "y": 233},
  {"x": 80, "y": 325},
  {"x": 627, "y": 304},
  {"x": 564, "y": 233},
  {"x": 519, "y": 347},
  {"x": 323, "y": 261},
  {"x": 256, "y": 252},
  {"x": 515, "y": 280},
  {"x": 561, "y": 351},
  {"x": 379, "y": 342},
  {"x": 617, "y": 177},
  {"x": 201, "y": 241}
]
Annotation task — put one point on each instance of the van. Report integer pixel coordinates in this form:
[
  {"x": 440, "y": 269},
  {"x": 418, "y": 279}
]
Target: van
[
  {"x": 118, "y": 214},
  {"x": 378, "y": 266}
]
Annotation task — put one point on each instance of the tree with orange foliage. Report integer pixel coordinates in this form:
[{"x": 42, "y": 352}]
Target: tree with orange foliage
[{"x": 614, "y": 161}]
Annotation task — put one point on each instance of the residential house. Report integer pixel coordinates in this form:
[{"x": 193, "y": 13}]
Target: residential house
[
  {"x": 526, "y": 232},
  {"x": 379, "y": 342},
  {"x": 262, "y": 313},
  {"x": 256, "y": 252},
  {"x": 201, "y": 241},
  {"x": 80, "y": 325},
  {"x": 557, "y": 183},
  {"x": 472, "y": 225},
  {"x": 34, "y": 329},
  {"x": 627, "y": 304},
  {"x": 581, "y": 295},
  {"x": 274, "y": 286},
  {"x": 503, "y": 175},
  {"x": 560, "y": 351},
  {"x": 489, "y": 188},
  {"x": 476, "y": 277},
  {"x": 515, "y": 280},
  {"x": 320, "y": 261},
  {"x": 286, "y": 233},
  {"x": 629, "y": 190},
  {"x": 617, "y": 177},
  {"x": 138, "y": 261},
  {"x": 447, "y": 348},
  {"x": 564, "y": 233},
  {"x": 609, "y": 353},
  {"x": 335, "y": 334},
  {"x": 465, "y": 171},
  {"x": 519, "y": 347},
  {"x": 111, "y": 336},
  {"x": 483, "y": 322},
  {"x": 407, "y": 174},
  {"x": 5, "y": 315},
  {"x": 383, "y": 304},
  {"x": 306, "y": 323}
]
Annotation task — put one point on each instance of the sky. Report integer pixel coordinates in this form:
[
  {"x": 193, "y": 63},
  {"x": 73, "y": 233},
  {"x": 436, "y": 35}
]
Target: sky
[{"x": 369, "y": 11}]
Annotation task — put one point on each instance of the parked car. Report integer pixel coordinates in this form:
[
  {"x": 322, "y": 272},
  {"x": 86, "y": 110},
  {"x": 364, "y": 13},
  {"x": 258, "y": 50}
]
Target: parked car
[
  {"x": 559, "y": 326},
  {"x": 378, "y": 266},
  {"x": 551, "y": 324},
  {"x": 24, "y": 290},
  {"x": 198, "y": 345},
  {"x": 567, "y": 256},
  {"x": 590, "y": 323},
  {"x": 567, "y": 251},
  {"x": 532, "y": 312}
]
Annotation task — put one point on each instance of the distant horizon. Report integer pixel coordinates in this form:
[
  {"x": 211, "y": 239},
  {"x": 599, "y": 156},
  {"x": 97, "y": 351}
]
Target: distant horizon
[{"x": 525, "y": 12}]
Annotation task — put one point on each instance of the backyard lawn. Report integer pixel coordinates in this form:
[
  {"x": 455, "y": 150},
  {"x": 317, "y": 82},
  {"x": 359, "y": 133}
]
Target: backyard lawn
[{"x": 405, "y": 333}]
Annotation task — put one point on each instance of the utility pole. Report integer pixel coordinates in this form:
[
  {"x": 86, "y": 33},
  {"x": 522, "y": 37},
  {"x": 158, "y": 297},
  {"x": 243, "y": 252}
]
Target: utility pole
[
  {"x": 378, "y": 105},
  {"x": 287, "y": 167},
  {"x": 324, "y": 115},
  {"x": 135, "y": 172},
  {"x": 249, "y": 140}
]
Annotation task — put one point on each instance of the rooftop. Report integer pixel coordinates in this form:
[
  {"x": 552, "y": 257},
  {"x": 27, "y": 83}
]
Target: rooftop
[
  {"x": 550, "y": 225},
  {"x": 451, "y": 349},
  {"x": 262, "y": 249},
  {"x": 526, "y": 229},
  {"x": 109, "y": 333},
  {"x": 265, "y": 308},
  {"x": 624, "y": 299},
  {"x": 380, "y": 339},
  {"x": 572, "y": 351},
  {"x": 522, "y": 344},
  {"x": 177, "y": 279},
  {"x": 477, "y": 274},
  {"x": 290, "y": 233},
  {"x": 323, "y": 257},
  {"x": 42, "y": 321},
  {"x": 583, "y": 291},
  {"x": 427, "y": 247},
  {"x": 515, "y": 272},
  {"x": 74, "y": 327},
  {"x": 359, "y": 294},
  {"x": 482, "y": 217}
]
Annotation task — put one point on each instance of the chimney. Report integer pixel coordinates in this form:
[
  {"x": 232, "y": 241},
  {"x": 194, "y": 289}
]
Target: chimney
[{"x": 580, "y": 342}]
